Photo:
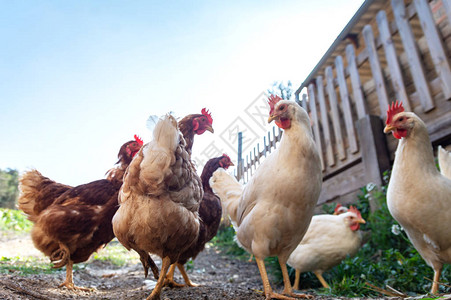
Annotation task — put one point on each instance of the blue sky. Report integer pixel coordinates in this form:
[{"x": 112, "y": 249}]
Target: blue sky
[{"x": 80, "y": 78}]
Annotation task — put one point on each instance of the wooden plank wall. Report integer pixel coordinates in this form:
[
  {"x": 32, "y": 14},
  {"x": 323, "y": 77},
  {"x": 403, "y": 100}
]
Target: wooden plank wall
[{"x": 403, "y": 53}]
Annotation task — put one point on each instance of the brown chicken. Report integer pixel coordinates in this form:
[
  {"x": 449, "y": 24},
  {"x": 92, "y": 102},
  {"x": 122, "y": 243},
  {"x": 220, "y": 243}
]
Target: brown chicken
[
  {"x": 195, "y": 124},
  {"x": 210, "y": 213},
  {"x": 73, "y": 222},
  {"x": 189, "y": 126},
  {"x": 159, "y": 200}
]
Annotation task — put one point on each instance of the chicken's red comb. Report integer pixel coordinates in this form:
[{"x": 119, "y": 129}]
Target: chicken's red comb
[
  {"x": 206, "y": 113},
  {"x": 225, "y": 155},
  {"x": 272, "y": 101},
  {"x": 139, "y": 140},
  {"x": 394, "y": 109},
  {"x": 355, "y": 210},
  {"x": 337, "y": 207}
]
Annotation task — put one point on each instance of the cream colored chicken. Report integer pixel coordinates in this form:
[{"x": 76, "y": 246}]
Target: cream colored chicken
[
  {"x": 159, "y": 200},
  {"x": 329, "y": 240},
  {"x": 444, "y": 161},
  {"x": 418, "y": 195},
  {"x": 276, "y": 206}
]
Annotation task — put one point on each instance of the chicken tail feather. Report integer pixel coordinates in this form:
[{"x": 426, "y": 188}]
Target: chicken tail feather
[
  {"x": 228, "y": 190},
  {"x": 37, "y": 192},
  {"x": 159, "y": 153}
]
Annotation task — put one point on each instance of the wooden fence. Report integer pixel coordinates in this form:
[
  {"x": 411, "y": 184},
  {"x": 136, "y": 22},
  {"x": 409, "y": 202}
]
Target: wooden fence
[{"x": 390, "y": 50}]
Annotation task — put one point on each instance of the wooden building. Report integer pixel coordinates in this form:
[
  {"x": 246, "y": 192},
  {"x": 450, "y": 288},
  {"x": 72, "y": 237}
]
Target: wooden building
[{"x": 390, "y": 50}]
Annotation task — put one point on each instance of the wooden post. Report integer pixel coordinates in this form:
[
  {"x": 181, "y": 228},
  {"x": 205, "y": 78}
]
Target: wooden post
[
  {"x": 392, "y": 60},
  {"x": 316, "y": 132},
  {"x": 346, "y": 105},
  {"x": 435, "y": 45},
  {"x": 376, "y": 68},
  {"x": 240, "y": 156},
  {"x": 413, "y": 55},
  {"x": 333, "y": 103},
  {"x": 375, "y": 155},
  {"x": 325, "y": 122},
  {"x": 359, "y": 99}
]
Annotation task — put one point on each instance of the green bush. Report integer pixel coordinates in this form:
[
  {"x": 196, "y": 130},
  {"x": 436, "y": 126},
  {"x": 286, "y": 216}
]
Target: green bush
[{"x": 14, "y": 220}]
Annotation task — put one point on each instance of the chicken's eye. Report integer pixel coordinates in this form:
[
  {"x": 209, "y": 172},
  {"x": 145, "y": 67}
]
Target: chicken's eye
[
  {"x": 282, "y": 107},
  {"x": 401, "y": 119}
]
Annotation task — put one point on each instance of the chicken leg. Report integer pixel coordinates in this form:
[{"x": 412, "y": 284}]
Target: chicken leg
[
  {"x": 297, "y": 276},
  {"x": 437, "y": 273},
  {"x": 320, "y": 277},
  {"x": 287, "y": 290},
  {"x": 185, "y": 276},
  {"x": 169, "y": 281},
  {"x": 69, "y": 282},
  {"x": 269, "y": 294},
  {"x": 155, "y": 295},
  {"x": 170, "y": 277}
]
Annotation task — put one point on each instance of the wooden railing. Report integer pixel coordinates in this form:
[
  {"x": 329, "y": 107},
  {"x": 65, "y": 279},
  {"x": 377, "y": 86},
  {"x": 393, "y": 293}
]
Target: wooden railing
[
  {"x": 402, "y": 54},
  {"x": 246, "y": 167}
]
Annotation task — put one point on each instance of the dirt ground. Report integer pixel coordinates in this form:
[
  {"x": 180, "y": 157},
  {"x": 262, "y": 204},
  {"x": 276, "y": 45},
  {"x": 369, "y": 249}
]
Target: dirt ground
[{"x": 220, "y": 276}]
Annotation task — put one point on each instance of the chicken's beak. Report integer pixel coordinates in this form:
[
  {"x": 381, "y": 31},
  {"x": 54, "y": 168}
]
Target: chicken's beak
[
  {"x": 272, "y": 118},
  {"x": 209, "y": 128},
  {"x": 361, "y": 221},
  {"x": 389, "y": 128},
  {"x": 231, "y": 164}
]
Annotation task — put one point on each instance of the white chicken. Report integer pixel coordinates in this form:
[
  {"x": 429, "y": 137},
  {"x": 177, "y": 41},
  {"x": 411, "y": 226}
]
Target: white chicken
[
  {"x": 444, "y": 161},
  {"x": 276, "y": 206},
  {"x": 159, "y": 200},
  {"x": 418, "y": 195},
  {"x": 328, "y": 240}
]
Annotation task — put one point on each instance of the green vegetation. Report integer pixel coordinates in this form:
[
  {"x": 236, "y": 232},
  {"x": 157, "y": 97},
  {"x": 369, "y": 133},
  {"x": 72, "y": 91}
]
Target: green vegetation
[
  {"x": 25, "y": 266},
  {"x": 9, "y": 191},
  {"x": 386, "y": 259},
  {"x": 14, "y": 220}
]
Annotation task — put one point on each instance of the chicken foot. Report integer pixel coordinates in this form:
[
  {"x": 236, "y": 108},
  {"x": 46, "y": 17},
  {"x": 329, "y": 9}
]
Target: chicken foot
[
  {"x": 185, "y": 276},
  {"x": 170, "y": 277},
  {"x": 155, "y": 295},
  {"x": 287, "y": 290},
  {"x": 269, "y": 294},
  {"x": 69, "y": 282},
  {"x": 321, "y": 279},
  {"x": 169, "y": 281}
]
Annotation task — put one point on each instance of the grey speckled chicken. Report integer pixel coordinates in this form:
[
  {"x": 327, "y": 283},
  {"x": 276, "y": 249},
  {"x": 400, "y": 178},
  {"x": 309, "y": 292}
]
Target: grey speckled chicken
[{"x": 159, "y": 200}]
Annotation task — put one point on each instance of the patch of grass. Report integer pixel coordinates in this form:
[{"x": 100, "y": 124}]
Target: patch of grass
[
  {"x": 115, "y": 253},
  {"x": 25, "y": 266}
]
